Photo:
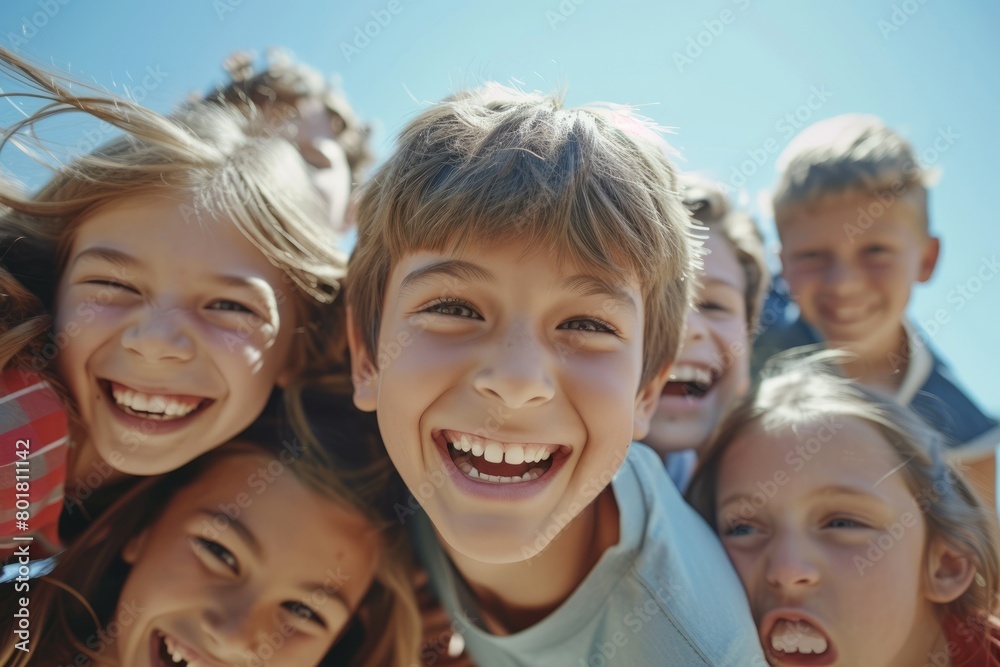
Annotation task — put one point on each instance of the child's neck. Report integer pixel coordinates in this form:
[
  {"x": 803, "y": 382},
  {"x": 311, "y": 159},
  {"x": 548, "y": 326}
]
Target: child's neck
[
  {"x": 883, "y": 365},
  {"x": 87, "y": 471},
  {"x": 515, "y": 596}
]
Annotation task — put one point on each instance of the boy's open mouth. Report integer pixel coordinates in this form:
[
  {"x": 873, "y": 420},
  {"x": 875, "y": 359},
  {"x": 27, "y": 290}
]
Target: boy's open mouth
[
  {"x": 690, "y": 381},
  {"x": 157, "y": 407},
  {"x": 500, "y": 462},
  {"x": 798, "y": 642}
]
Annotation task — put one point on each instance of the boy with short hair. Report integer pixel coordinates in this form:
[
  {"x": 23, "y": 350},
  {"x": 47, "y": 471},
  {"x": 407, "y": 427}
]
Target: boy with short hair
[
  {"x": 516, "y": 296},
  {"x": 851, "y": 213}
]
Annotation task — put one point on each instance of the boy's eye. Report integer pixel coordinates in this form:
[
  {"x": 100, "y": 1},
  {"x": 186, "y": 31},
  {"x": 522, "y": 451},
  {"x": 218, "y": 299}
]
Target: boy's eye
[
  {"x": 589, "y": 324},
  {"x": 876, "y": 250},
  {"x": 226, "y": 304},
  {"x": 843, "y": 522},
  {"x": 218, "y": 552},
  {"x": 306, "y": 613},
  {"x": 453, "y": 308}
]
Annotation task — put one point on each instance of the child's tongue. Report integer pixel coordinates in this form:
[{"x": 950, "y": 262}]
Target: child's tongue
[{"x": 797, "y": 637}]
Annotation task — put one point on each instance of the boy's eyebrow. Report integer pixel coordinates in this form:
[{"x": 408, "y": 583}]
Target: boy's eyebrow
[
  {"x": 588, "y": 285},
  {"x": 584, "y": 284},
  {"x": 454, "y": 268}
]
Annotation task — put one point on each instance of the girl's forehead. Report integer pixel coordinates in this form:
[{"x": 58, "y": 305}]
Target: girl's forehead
[{"x": 814, "y": 452}]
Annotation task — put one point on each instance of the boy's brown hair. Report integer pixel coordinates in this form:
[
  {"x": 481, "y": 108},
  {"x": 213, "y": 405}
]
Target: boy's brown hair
[
  {"x": 852, "y": 153},
  {"x": 494, "y": 165},
  {"x": 709, "y": 206}
]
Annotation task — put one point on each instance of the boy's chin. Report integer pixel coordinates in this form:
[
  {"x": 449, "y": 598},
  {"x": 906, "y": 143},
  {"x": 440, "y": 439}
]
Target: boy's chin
[{"x": 499, "y": 541}]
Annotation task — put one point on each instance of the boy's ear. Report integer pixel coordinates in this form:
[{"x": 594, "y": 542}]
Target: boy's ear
[
  {"x": 929, "y": 259},
  {"x": 364, "y": 373},
  {"x": 132, "y": 549},
  {"x": 949, "y": 572},
  {"x": 646, "y": 403}
]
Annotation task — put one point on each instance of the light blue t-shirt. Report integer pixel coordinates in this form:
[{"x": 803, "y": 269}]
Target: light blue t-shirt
[{"x": 665, "y": 595}]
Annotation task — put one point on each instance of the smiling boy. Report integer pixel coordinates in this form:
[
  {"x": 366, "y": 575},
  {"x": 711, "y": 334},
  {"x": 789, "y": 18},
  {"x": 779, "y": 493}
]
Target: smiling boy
[
  {"x": 852, "y": 215},
  {"x": 518, "y": 292}
]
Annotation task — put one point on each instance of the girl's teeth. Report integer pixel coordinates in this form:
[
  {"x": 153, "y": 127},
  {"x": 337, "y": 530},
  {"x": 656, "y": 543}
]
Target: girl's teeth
[
  {"x": 477, "y": 449},
  {"x": 157, "y": 406},
  {"x": 799, "y": 637}
]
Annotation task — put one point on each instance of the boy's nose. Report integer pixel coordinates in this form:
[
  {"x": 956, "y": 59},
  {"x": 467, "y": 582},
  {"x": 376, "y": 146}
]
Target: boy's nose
[
  {"x": 842, "y": 276},
  {"x": 159, "y": 336},
  {"x": 516, "y": 372},
  {"x": 789, "y": 563}
]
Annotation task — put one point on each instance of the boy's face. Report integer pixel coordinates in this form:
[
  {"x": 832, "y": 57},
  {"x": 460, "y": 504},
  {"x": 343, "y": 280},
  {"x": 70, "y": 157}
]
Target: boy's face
[
  {"x": 850, "y": 271},
  {"x": 506, "y": 387},
  {"x": 713, "y": 367}
]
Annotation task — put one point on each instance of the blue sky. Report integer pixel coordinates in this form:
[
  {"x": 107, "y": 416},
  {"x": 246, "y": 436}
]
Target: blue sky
[{"x": 734, "y": 78}]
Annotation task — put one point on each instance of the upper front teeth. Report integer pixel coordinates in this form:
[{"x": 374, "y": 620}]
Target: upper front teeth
[
  {"x": 687, "y": 373},
  {"x": 155, "y": 403},
  {"x": 799, "y": 637},
  {"x": 496, "y": 452}
]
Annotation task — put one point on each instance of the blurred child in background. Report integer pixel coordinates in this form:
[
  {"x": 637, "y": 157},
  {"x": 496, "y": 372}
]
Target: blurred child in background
[{"x": 852, "y": 216}]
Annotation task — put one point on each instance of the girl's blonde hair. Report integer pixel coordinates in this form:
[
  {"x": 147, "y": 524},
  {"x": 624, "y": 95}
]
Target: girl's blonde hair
[
  {"x": 72, "y": 605},
  {"x": 802, "y": 387},
  {"x": 221, "y": 163}
]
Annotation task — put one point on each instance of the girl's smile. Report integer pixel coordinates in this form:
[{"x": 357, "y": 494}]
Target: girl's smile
[{"x": 166, "y": 358}]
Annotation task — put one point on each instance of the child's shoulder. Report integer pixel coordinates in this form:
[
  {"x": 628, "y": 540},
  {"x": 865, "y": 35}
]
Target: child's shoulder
[
  {"x": 973, "y": 644},
  {"x": 938, "y": 397},
  {"x": 681, "y": 563}
]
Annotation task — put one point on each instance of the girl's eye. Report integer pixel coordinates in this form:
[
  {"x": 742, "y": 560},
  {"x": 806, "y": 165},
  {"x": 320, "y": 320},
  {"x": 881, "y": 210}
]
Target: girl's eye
[
  {"x": 225, "y": 304},
  {"x": 841, "y": 522},
  {"x": 738, "y": 530},
  {"x": 218, "y": 552},
  {"x": 453, "y": 308},
  {"x": 713, "y": 306},
  {"x": 302, "y": 611},
  {"x": 590, "y": 324},
  {"x": 113, "y": 284}
]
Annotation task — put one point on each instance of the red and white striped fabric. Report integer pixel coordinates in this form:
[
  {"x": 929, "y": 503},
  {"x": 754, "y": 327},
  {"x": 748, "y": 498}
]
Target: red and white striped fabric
[{"x": 32, "y": 413}]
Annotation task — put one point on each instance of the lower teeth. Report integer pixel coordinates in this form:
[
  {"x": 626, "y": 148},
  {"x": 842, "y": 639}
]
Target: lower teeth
[{"x": 470, "y": 471}]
